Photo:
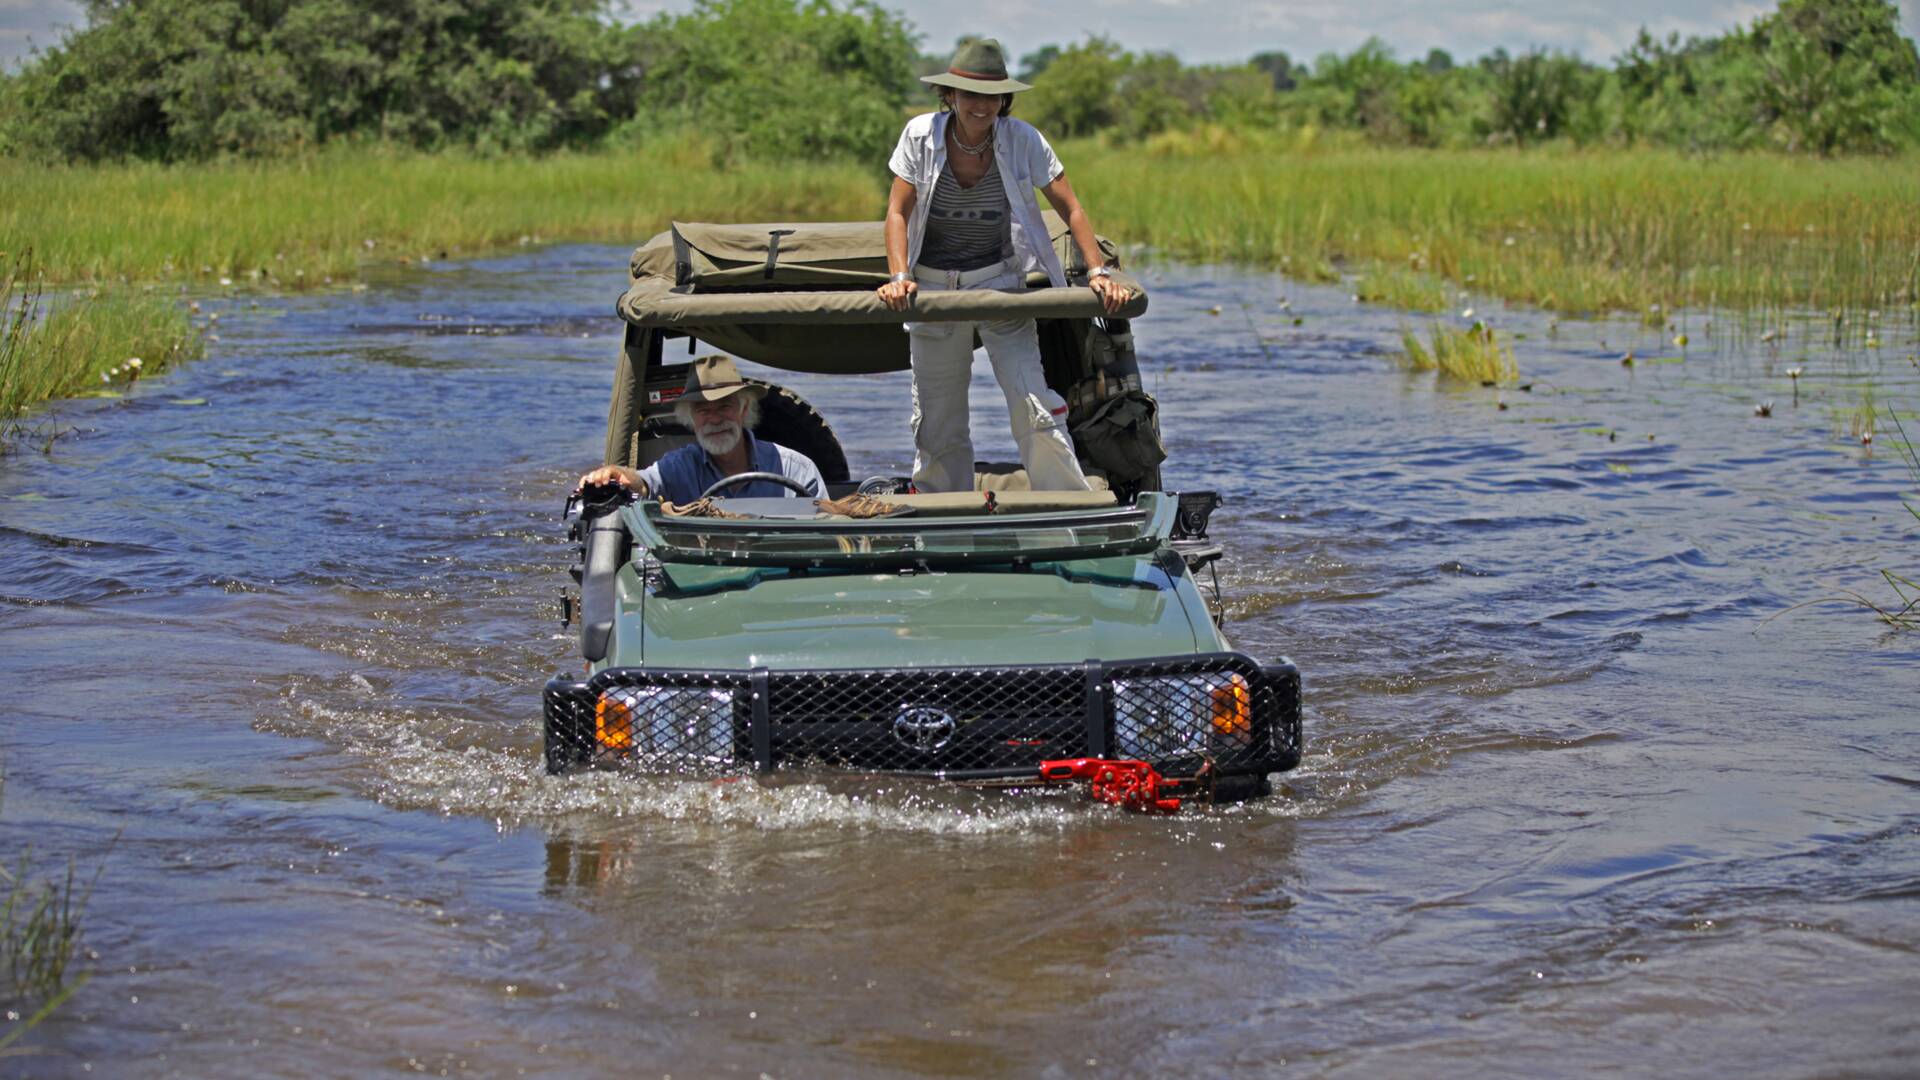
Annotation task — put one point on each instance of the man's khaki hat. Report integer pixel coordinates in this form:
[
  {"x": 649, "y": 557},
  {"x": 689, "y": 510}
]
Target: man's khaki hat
[
  {"x": 979, "y": 66},
  {"x": 711, "y": 378}
]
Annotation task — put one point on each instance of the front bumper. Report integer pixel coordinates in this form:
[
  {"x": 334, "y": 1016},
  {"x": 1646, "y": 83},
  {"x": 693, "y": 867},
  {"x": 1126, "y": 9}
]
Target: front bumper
[{"x": 959, "y": 723}]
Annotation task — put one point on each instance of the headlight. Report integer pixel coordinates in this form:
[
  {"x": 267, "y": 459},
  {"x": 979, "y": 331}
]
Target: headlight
[
  {"x": 669, "y": 722},
  {"x": 1181, "y": 716}
]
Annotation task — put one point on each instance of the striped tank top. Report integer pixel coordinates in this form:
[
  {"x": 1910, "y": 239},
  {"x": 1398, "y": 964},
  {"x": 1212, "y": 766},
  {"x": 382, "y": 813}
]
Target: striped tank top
[{"x": 968, "y": 228}]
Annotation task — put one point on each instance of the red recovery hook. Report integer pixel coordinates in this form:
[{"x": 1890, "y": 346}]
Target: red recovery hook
[{"x": 1134, "y": 785}]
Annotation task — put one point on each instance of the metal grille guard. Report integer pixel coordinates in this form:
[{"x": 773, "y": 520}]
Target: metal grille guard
[{"x": 956, "y": 723}]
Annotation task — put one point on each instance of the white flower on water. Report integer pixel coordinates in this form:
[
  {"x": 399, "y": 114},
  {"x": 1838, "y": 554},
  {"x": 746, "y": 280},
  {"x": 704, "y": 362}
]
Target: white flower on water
[
  {"x": 226, "y": 281},
  {"x": 134, "y": 363},
  {"x": 1467, "y": 314}
]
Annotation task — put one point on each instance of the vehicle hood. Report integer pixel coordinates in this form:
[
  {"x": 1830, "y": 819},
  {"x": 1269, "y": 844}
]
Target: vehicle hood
[{"x": 917, "y": 620}]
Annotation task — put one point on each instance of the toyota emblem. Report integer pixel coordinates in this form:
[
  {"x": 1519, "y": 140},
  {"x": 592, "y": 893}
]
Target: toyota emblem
[{"x": 922, "y": 727}]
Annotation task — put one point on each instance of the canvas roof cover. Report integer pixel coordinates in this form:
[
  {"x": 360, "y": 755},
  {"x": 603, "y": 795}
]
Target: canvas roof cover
[{"x": 770, "y": 292}]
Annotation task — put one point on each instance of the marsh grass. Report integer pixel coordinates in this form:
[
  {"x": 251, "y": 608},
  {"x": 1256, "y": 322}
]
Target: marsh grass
[
  {"x": 39, "y": 938},
  {"x": 96, "y": 341},
  {"x": 1639, "y": 231},
  {"x": 315, "y": 220},
  {"x": 1473, "y": 354},
  {"x": 1904, "y": 613},
  {"x": 1643, "y": 231},
  {"x": 1408, "y": 290},
  {"x": 1857, "y": 422}
]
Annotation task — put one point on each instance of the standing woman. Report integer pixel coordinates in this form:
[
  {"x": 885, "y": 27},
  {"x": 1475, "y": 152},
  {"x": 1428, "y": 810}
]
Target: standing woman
[{"x": 962, "y": 215}]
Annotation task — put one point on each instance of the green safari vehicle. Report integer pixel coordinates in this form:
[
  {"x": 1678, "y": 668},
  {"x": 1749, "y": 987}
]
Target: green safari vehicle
[{"x": 965, "y": 636}]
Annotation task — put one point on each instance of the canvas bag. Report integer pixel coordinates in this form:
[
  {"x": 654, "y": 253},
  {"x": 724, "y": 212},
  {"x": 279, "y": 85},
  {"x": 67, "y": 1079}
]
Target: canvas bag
[{"x": 1122, "y": 436}]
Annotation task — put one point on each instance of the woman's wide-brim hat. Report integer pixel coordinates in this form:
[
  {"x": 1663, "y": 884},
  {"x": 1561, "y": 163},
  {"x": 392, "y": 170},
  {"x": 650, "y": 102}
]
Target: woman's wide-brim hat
[{"x": 980, "y": 66}]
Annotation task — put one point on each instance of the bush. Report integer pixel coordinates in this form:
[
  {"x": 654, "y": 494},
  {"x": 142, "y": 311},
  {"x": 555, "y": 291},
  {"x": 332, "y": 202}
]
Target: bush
[
  {"x": 1830, "y": 76},
  {"x": 778, "y": 78},
  {"x": 1080, "y": 94},
  {"x": 197, "y": 78}
]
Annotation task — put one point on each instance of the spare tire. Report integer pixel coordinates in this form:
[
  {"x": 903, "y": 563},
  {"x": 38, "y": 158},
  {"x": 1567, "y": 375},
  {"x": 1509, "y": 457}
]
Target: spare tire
[{"x": 787, "y": 419}]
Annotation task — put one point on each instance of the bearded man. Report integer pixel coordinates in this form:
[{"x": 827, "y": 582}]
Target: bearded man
[{"x": 721, "y": 409}]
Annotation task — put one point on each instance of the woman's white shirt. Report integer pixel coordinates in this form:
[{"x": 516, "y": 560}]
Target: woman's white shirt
[{"x": 1025, "y": 161}]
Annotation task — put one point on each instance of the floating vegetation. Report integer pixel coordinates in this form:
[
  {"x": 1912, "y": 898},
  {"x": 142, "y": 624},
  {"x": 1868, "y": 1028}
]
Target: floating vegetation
[{"x": 1473, "y": 354}]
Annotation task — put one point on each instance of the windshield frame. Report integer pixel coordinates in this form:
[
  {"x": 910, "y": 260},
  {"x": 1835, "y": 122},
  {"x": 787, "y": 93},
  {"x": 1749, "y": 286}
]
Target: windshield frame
[{"x": 729, "y": 540}]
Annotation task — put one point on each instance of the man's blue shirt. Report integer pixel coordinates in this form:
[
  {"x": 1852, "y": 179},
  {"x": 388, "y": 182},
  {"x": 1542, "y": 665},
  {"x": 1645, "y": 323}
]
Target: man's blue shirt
[{"x": 681, "y": 475}]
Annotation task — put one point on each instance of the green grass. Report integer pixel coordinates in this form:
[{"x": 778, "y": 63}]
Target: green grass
[
  {"x": 1580, "y": 231},
  {"x": 296, "y": 223},
  {"x": 1472, "y": 354},
  {"x": 98, "y": 341},
  {"x": 1644, "y": 231},
  {"x": 1408, "y": 290}
]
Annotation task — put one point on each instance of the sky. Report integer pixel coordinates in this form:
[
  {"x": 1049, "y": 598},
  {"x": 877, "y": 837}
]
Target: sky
[{"x": 1212, "y": 31}]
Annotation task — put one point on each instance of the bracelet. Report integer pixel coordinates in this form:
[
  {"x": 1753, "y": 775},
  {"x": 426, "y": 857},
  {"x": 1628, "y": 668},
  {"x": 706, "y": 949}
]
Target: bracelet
[
  {"x": 902, "y": 276},
  {"x": 1099, "y": 271}
]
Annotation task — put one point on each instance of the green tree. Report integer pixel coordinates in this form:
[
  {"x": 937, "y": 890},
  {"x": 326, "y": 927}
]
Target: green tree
[
  {"x": 1276, "y": 65},
  {"x": 195, "y": 78},
  {"x": 1358, "y": 90},
  {"x": 1080, "y": 94},
  {"x": 1537, "y": 96},
  {"x": 780, "y": 78},
  {"x": 1036, "y": 62},
  {"x": 1830, "y": 75}
]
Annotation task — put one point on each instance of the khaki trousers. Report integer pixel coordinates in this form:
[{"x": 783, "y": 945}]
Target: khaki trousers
[{"x": 942, "y": 356}]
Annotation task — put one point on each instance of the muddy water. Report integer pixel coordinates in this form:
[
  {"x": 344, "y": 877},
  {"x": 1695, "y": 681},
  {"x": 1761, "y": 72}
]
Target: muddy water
[{"x": 275, "y": 626}]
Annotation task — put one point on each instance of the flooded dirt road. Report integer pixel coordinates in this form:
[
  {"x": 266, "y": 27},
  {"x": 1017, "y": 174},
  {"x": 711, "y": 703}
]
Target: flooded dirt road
[{"x": 273, "y": 631}]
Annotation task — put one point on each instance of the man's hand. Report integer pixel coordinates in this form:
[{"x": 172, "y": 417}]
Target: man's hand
[{"x": 614, "y": 474}]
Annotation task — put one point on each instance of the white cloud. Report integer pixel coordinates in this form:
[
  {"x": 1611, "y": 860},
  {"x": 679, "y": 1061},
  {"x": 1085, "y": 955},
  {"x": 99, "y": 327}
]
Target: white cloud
[{"x": 28, "y": 23}]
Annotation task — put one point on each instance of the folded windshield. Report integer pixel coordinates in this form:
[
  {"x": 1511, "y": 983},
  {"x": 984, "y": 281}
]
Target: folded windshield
[{"x": 902, "y": 541}]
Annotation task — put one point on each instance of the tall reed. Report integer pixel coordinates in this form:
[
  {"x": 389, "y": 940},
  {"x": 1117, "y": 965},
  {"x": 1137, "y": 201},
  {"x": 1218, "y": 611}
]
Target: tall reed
[
  {"x": 1567, "y": 230},
  {"x": 298, "y": 222},
  {"x": 96, "y": 340},
  {"x": 39, "y": 938},
  {"x": 1472, "y": 354}
]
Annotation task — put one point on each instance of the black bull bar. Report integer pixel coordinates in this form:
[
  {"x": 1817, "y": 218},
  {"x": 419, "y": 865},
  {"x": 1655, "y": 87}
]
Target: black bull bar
[{"x": 955, "y": 723}]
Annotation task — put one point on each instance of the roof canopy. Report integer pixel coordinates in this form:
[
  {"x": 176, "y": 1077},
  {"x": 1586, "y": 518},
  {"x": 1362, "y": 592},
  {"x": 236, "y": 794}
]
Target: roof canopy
[{"x": 767, "y": 292}]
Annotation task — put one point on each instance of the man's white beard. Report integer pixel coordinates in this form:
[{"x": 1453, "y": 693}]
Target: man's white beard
[{"x": 720, "y": 441}]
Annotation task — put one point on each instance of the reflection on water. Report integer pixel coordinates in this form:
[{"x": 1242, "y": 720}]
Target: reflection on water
[{"x": 1567, "y": 802}]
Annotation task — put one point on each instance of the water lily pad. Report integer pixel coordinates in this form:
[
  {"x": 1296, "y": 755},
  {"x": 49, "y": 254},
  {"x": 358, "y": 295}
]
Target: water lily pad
[
  {"x": 28, "y": 496},
  {"x": 187, "y": 401}
]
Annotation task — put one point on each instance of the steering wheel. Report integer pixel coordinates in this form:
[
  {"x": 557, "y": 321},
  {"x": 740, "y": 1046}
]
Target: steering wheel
[{"x": 789, "y": 483}]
